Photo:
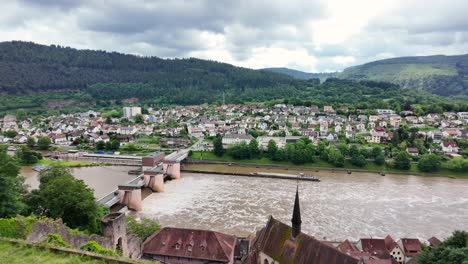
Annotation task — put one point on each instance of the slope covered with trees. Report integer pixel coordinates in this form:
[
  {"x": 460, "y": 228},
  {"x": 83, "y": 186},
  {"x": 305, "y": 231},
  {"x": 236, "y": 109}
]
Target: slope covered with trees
[
  {"x": 27, "y": 67},
  {"x": 441, "y": 75},
  {"x": 302, "y": 75}
]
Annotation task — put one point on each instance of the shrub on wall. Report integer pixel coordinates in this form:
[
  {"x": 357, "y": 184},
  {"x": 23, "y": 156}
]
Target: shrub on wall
[
  {"x": 17, "y": 227},
  {"x": 56, "y": 240},
  {"x": 94, "y": 246}
]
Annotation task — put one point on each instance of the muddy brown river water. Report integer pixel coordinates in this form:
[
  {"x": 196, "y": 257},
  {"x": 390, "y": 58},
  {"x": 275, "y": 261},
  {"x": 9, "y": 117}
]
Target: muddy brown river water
[
  {"x": 340, "y": 206},
  {"x": 102, "y": 180}
]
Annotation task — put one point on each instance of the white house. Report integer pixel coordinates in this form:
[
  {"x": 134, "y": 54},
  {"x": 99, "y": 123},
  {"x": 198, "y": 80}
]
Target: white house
[
  {"x": 449, "y": 147},
  {"x": 233, "y": 139}
]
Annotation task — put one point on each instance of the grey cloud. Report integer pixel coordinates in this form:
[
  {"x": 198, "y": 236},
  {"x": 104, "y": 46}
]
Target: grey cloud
[{"x": 63, "y": 4}]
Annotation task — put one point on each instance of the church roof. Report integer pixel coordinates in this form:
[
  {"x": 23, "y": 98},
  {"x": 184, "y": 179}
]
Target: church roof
[{"x": 274, "y": 240}]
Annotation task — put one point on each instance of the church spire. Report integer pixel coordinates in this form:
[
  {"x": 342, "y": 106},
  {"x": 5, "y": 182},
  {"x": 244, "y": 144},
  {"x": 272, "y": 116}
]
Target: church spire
[{"x": 296, "y": 217}]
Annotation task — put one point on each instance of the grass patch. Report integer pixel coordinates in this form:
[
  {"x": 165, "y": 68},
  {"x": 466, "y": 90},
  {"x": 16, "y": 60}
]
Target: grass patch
[
  {"x": 370, "y": 166},
  {"x": 19, "y": 254},
  {"x": 70, "y": 163}
]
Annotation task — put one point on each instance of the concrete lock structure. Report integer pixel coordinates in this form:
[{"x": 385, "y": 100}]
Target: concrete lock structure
[
  {"x": 154, "y": 179},
  {"x": 155, "y": 167},
  {"x": 131, "y": 196}
]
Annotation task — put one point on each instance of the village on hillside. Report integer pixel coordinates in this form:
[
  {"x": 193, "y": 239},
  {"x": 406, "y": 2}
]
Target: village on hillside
[{"x": 174, "y": 127}]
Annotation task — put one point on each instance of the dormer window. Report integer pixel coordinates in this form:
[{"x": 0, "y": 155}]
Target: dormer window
[
  {"x": 189, "y": 248},
  {"x": 177, "y": 246}
]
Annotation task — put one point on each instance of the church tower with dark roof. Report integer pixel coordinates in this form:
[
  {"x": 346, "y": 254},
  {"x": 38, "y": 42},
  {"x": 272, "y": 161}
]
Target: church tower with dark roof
[{"x": 296, "y": 217}]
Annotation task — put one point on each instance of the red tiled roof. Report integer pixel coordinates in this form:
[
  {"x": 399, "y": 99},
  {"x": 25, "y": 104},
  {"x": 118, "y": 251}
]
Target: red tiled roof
[
  {"x": 375, "y": 246},
  {"x": 411, "y": 246},
  {"x": 390, "y": 243},
  {"x": 205, "y": 245},
  {"x": 450, "y": 143},
  {"x": 347, "y": 247},
  {"x": 274, "y": 240}
]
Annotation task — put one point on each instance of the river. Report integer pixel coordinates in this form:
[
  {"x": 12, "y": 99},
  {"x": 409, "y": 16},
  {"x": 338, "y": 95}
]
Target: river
[
  {"x": 102, "y": 179},
  {"x": 340, "y": 206}
]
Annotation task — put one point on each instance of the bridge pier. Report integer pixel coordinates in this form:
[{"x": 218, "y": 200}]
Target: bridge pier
[
  {"x": 131, "y": 197},
  {"x": 154, "y": 179},
  {"x": 172, "y": 168}
]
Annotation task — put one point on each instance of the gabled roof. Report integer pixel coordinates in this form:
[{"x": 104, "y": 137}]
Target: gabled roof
[
  {"x": 376, "y": 247},
  {"x": 450, "y": 143},
  {"x": 347, "y": 247},
  {"x": 390, "y": 243},
  {"x": 191, "y": 243},
  {"x": 275, "y": 241},
  {"x": 411, "y": 246}
]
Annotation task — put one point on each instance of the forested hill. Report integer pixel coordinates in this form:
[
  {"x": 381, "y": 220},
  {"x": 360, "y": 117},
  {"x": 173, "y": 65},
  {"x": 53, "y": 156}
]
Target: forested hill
[
  {"x": 27, "y": 67},
  {"x": 302, "y": 75},
  {"x": 441, "y": 75}
]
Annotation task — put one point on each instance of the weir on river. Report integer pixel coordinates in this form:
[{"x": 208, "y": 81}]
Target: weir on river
[{"x": 156, "y": 168}]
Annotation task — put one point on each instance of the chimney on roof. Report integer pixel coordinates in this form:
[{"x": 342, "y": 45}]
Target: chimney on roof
[{"x": 296, "y": 217}]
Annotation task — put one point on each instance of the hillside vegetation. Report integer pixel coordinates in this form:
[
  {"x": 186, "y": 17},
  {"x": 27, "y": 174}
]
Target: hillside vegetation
[
  {"x": 27, "y": 67},
  {"x": 441, "y": 75},
  {"x": 42, "y": 78},
  {"x": 302, "y": 75}
]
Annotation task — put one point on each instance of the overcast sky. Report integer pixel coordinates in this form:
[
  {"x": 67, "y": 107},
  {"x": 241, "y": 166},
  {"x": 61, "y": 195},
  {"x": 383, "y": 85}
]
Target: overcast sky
[{"x": 308, "y": 35}]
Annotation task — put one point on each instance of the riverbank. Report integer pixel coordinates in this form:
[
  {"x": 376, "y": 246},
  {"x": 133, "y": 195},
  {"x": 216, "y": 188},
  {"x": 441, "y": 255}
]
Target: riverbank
[
  {"x": 71, "y": 163},
  {"x": 210, "y": 158}
]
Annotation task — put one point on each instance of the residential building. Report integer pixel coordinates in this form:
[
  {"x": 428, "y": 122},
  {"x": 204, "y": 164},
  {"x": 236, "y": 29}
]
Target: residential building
[
  {"x": 449, "y": 147},
  {"x": 129, "y": 112},
  {"x": 233, "y": 139},
  {"x": 180, "y": 246}
]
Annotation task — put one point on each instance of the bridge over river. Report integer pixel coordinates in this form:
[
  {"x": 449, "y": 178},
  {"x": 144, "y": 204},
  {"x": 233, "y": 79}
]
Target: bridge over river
[{"x": 156, "y": 168}]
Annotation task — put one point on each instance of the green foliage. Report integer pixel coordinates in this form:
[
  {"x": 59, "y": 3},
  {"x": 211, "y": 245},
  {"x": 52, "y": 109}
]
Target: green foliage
[
  {"x": 30, "y": 142},
  {"x": 429, "y": 163},
  {"x": 94, "y": 247},
  {"x": 142, "y": 229},
  {"x": 359, "y": 160},
  {"x": 458, "y": 165},
  {"x": 443, "y": 75},
  {"x": 17, "y": 254},
  {"x": 272, "y": 148},
  {"x": 335, "y": 157},
  {"x": 44, "y": 143},
  {"x": 10, "y": 133},
  {"x": 100, "y": 145},
  {"x": 138, "y": 119},
  {"x": 380, "y": 159},
  {"x": 402, "y": 161},
  {"x": 12, "y": 188},
  {"x": 60, "y": 195},
  {"x": 253, "y": 148},
  {"x": 301, "y": 152},
  {"x": 240, "y": 151},
  {"x": 18, "y": 227},
  {"x": 218, "y": 146},
  {"x": 454, "y": 250},
  {"x": 8, "y": 227},
  {"x": 56, "y": 240},
  {"x": 27, "y": 156}
]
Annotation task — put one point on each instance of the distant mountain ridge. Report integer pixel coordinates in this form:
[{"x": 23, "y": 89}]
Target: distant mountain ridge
[
  {"x": 302, "y": 75},
  {"x": 438, "y": 74}
]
